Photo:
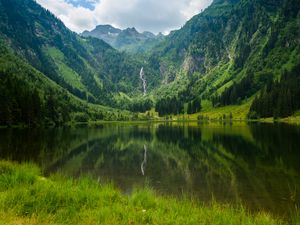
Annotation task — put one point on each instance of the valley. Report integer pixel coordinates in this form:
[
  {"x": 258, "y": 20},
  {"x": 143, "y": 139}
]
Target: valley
[
  {"x": 231, "y": 55},
  {"x": 106, "y": 120}
]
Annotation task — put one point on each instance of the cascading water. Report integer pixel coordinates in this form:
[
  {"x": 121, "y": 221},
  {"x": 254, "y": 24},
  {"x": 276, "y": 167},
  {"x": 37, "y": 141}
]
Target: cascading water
[{"x": 142, "y": 77}]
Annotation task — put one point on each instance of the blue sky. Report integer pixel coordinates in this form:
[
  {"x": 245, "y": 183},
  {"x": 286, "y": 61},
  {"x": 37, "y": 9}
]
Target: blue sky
[
  {"x": 89, "y": 4},
  {"x": 145, "y": 15}
]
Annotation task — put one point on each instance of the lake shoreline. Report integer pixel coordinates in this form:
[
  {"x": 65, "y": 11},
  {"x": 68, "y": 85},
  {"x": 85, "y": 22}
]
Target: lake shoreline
[
  {"x": 288, "y": 120},
  {"x": 29, "y": 198}
]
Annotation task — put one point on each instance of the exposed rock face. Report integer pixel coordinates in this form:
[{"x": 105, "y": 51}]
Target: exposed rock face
[{"x": 128, "y": 39}]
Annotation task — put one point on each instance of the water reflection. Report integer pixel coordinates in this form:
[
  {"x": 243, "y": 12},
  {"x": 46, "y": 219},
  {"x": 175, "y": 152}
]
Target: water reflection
[
  {"x": 143, "y": 165},
  {"x": 257, "y": 164}
]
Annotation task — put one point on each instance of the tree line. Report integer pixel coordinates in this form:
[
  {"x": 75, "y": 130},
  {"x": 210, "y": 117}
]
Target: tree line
[
  {"x": 175, "y": 106},
  {"x": 194, "y": 106},
  {"x": 280, "y": 98},
  {"x": 20, "y": 104},
  {"x": 141, "y": 105},
  {"x": 236, "y": 93},
  {"x": 168, "y": 106}
]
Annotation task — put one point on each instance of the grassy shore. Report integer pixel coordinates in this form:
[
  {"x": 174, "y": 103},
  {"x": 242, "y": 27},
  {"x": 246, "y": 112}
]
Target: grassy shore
[{"x": 28, "y": 198}]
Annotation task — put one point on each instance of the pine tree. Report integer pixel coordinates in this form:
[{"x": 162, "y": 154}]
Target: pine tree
[{"x": 189, "y": 108}]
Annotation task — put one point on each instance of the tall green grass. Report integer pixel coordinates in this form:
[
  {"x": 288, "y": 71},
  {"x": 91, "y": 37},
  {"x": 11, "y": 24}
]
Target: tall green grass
[{"x": 28, "y": 198}]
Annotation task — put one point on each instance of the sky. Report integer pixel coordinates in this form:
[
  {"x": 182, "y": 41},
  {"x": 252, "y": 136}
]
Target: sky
[{"x": 145, "y": 15}]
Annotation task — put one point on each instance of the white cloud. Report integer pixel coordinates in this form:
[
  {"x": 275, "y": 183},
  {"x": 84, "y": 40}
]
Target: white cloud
[
  {"x": 194, "y": 7},
  {"x": 150, "y": 15},
  {"x": 75, "y": 18}
]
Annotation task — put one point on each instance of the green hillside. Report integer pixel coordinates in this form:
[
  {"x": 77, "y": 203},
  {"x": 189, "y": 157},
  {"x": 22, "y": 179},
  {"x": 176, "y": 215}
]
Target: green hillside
[
  {"x": 236, "y": 57},
  {"x": 46, "y": 44},
  {"x": 231, "y": 51}
]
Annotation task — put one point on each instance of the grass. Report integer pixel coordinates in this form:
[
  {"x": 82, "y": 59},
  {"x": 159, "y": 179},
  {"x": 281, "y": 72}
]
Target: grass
[
  {"x": 28, "y": 198},
  {"x": 69, "y": 75},
  {"x": 239, "y": 112}
]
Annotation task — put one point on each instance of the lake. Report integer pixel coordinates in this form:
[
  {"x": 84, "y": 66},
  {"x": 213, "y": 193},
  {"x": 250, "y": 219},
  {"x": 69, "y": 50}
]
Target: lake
[{"x": 257, "y": 165}]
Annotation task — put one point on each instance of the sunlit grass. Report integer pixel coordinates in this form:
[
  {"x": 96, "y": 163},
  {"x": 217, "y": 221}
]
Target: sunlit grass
[
  {"x": 28, "y": 198},
  {"x": 69, "y": 75},
  {"x": 238, "y": 112}
]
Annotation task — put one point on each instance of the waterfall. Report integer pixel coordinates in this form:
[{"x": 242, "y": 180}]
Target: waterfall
[{"x": 142, "y": 77}]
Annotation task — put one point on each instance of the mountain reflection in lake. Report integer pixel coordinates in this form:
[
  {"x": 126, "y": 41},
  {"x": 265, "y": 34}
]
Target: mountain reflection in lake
[{"x": 257, "y": 165}]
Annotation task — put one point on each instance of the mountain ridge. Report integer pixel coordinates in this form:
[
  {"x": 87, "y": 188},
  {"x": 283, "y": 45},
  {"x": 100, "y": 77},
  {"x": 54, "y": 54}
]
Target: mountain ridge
[
  {"x": 128, "y": 39},
  {"x": 45, "y": 43},
  {"x": 231, "y": 54},
  {"x": 230, "y": 46}
]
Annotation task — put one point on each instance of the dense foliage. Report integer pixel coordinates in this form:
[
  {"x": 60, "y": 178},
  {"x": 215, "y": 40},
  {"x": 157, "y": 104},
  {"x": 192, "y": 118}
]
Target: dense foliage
[
  {"x": 142, "y": 105},
  {"x": 279, "y": 99},
  {"x": 236, "y": 93},
  {"x": 22, "y": 105},
  {"x": 232, "y": 50},
  {"x": 194, "y": 106},
  {"x": 25, "y": 96},
  {"x": 168, "y": 106}
]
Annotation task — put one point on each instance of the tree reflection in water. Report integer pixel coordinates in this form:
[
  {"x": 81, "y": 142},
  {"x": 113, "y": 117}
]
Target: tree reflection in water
[{"x": 256, "y": 165}]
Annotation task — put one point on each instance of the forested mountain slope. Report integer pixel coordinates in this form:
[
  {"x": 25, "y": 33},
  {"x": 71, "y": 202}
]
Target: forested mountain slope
[
  {"x": 28, "y": 97},
  {"x": 233, "y": 53},
  {"x": 88, "y": 68},
  {"x": 50, "y": 75},
  {"x": 230, "y": 51}
]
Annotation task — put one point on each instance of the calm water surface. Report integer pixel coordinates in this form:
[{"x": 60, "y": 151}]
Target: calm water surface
[{"x": 257, "y": 165}]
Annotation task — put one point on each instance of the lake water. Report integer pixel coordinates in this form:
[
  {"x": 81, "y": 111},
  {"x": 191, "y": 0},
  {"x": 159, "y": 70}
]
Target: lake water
[{"x": 257, "y": 165}]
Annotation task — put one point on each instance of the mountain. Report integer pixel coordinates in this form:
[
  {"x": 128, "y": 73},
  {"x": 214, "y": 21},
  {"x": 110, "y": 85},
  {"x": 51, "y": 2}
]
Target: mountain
[
  {"x": 87, "y": 70},
  {"x": 28, "y": 97},
  {"x": 106, "y": 33},
  {"x": 231, "y": 51},
  {"x": 129, "y": 40},
  {"x": 238, "y": 57},
  {"x": 86, "y": 67}
]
